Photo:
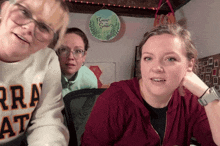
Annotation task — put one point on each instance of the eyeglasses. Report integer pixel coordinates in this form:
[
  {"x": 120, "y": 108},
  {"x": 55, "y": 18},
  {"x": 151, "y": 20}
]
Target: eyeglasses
[
  {"x": 21, "y": 16},
  {"x": 65, "y": 52}
]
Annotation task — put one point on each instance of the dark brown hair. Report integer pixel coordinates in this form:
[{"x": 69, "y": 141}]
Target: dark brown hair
[{"x": 80, "y": 33}]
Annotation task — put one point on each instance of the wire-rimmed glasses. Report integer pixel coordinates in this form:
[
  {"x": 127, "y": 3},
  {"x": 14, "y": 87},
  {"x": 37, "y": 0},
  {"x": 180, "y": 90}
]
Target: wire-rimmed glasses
[{"x": 65, "y": 52}]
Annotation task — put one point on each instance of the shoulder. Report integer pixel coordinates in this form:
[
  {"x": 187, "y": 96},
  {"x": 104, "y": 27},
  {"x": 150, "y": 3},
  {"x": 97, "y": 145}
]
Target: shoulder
[
  {"x": 46, "y": 54},
  {"x": 46, "y": 57},
  {"x": 118, "y": 101},
  {"x": 46, "y": 60},
  {"x": 85, "y": 72},
  {"x": 120, "y": 91}
]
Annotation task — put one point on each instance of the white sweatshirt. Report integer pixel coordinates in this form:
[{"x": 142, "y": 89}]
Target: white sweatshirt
[{"x": 30, "y": 93}]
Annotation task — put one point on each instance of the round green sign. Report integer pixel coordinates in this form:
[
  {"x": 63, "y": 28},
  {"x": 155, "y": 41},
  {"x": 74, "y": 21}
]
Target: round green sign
[{"x": 104, "y": 25}]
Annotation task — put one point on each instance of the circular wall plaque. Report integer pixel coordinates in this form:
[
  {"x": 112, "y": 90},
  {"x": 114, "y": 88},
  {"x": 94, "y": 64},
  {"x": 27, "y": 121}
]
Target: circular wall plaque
[{"x": 104, "y": 25}]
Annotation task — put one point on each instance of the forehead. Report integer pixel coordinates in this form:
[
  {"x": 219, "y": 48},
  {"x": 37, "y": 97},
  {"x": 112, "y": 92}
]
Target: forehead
[
  {"x": 48, "y": 11},
  {"x": 73, "y": 39},
  {"x": 164, "y": 43}
]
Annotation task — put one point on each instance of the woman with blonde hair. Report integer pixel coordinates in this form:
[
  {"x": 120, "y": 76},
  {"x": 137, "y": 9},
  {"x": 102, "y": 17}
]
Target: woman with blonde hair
[{"x": 30, "y": 87}]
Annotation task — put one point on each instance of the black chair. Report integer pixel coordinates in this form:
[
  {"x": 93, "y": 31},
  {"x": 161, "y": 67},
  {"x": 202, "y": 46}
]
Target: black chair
[{"x": 78, "y": 106}]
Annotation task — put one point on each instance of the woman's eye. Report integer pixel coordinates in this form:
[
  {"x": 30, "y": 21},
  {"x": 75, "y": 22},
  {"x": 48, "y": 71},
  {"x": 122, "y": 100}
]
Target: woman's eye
[
  {"x": 63, "y": 49},
  {"x": 78, "y": 51},
  {"x": 171, "y": 59},
  {"x": 25, "y": 13},
  {"x": 147, "y": 58},
  {"x": 43, "y": 27}
]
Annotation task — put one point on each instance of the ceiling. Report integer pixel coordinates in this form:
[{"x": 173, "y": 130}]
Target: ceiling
[{"x": 132, "y": 8}]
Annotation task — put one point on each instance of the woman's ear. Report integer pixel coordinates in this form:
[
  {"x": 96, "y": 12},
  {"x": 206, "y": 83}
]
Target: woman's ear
[{"x": 191, "y": 65}]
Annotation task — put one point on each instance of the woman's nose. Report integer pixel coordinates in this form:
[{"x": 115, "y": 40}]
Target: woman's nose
[
  {"x": 30, "y": 27},
  {"x": 158, "y": 67},
  {"x": 70, "y": 55}
]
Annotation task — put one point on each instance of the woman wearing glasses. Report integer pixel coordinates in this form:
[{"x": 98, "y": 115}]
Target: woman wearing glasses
[
  {"x": 72, "y": 55},
  {"x": 30, "y": 88}
]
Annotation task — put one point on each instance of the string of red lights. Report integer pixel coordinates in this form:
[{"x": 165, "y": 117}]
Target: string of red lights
[{"x": 93, "y": 3}]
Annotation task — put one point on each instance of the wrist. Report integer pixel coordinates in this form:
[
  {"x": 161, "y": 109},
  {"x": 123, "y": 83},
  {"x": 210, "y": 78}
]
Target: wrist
[
  {"x": 204, "y": 92},
  {"x": 209, "y": 95},
  {"x": 203, "y": 89}
]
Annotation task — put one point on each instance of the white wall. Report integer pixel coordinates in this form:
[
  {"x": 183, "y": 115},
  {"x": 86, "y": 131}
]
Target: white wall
[
  {"x": 203, "y": 21},
  {"x": 121, "y": 49}
]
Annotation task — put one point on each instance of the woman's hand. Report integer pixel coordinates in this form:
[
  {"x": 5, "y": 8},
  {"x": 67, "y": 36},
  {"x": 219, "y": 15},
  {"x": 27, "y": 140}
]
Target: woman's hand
[{"x": 193, "y": 83}]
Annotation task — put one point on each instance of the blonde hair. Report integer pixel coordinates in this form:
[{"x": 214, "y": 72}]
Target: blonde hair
[{"x": 56, "y": 42}]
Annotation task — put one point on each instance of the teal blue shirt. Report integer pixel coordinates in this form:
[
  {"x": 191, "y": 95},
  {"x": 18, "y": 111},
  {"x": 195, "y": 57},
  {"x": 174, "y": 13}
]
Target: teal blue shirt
[{"x": 85, "y": 79}]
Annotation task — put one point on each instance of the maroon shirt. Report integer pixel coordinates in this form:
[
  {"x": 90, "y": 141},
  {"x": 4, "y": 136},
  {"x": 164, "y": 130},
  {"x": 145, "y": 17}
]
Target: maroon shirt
[{"x": 119, "y": 117}]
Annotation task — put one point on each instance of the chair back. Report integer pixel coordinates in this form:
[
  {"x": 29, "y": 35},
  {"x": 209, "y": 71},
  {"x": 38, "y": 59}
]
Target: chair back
[{"x": 78, "y": 106}]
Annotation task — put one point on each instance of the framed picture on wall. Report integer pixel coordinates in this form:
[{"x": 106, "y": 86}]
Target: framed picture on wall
[
  {"x": 211, "y": 61},
  {"x": 208, "y": 70},
  {"x": 207, "y": 78},
  {"x": 105, "y": 72},
  {"x": 216, "y": 63},
  {"x": 205, "y": 63},
  {"x": 215, "y": 80},
  {"x": 202, "y": 76},
  {"x": 211, "y": 70},
  {"x": 202, "y": 69},
  {"x": 214, "y": 72}
]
